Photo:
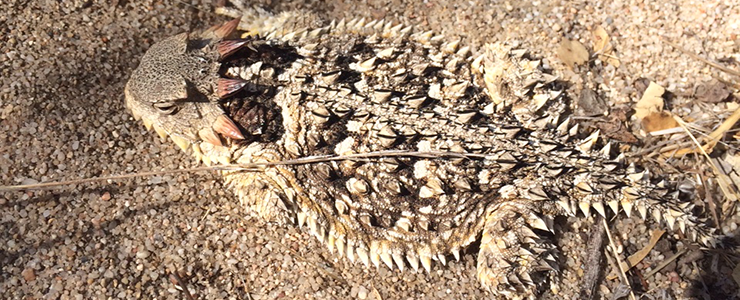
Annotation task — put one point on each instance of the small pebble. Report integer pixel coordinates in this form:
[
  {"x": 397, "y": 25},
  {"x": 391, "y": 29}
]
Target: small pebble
[
  {"x": 28, "y": 274},
  {"x": 362, "y": 293}
]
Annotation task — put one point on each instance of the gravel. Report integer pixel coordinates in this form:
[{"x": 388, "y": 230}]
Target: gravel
[{"x": 64, "y": 66}]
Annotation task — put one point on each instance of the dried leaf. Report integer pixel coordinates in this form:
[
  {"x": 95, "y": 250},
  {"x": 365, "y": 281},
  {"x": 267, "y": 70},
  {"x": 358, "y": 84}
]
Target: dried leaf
[
  {"x": 651, "y": 101},
  {"x": 657, "y": 121},
  {"x": 736, "y": 274},
  {"x": 603, "y": 47},
  {"x": 601, "y": 40},
  {"x": 572, "y": 53},
  {"x": 714, "y": 91},
  {"x": 590, "y": 104}
]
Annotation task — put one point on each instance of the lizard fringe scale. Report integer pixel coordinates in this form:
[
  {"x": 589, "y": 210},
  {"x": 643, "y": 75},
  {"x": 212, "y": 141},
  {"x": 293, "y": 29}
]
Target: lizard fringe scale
[{"x": 282, "y": 92}]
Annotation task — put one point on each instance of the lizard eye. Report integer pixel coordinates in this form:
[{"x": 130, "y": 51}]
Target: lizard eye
[{"x": 166, "y": 107}]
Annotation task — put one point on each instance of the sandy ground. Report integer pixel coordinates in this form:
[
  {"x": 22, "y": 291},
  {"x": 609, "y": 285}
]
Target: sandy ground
[{"x": 64, "y": 66}]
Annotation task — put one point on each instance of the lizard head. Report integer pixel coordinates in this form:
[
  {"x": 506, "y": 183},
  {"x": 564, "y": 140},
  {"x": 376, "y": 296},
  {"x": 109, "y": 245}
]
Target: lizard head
[{"x": 176, "y": 89}]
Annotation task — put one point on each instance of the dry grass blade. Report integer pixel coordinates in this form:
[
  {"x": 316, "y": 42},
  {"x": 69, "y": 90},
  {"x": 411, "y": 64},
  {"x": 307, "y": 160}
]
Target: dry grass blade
[
  {"x": 728, "y": 177},
  {"x": 622, "y": 275},
  {"x": 710, "y": 141},
  {"x": 638, "y": 256},
  {"x": 376, "y": 293},
  {"x": 704, "y": 60},
  {"x": 735, "y": 85},
  {"x": 180, "y": 284},
  {"x": 258, "y": 166},
  {"x": 666, "y": 262},
  {"x": 66, "y": 183},
  {"x": 726, "y": 190},
  {"x": 246, "y": 288}
]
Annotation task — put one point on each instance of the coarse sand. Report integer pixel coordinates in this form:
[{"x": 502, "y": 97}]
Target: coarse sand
[{"x": 64, "y": 67}]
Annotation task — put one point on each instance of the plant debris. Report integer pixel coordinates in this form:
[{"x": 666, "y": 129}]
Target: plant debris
[
  {"x": 572, "y": 53},
  {"x": 603, "y": 46}
]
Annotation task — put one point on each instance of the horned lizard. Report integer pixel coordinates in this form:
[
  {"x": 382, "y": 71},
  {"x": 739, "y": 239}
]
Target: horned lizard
[{"x": 393, "y": 146}]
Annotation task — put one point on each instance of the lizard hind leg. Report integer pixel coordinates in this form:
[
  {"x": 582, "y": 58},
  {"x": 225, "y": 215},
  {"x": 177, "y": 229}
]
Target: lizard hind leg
[{"x": 516, "y": 254}]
